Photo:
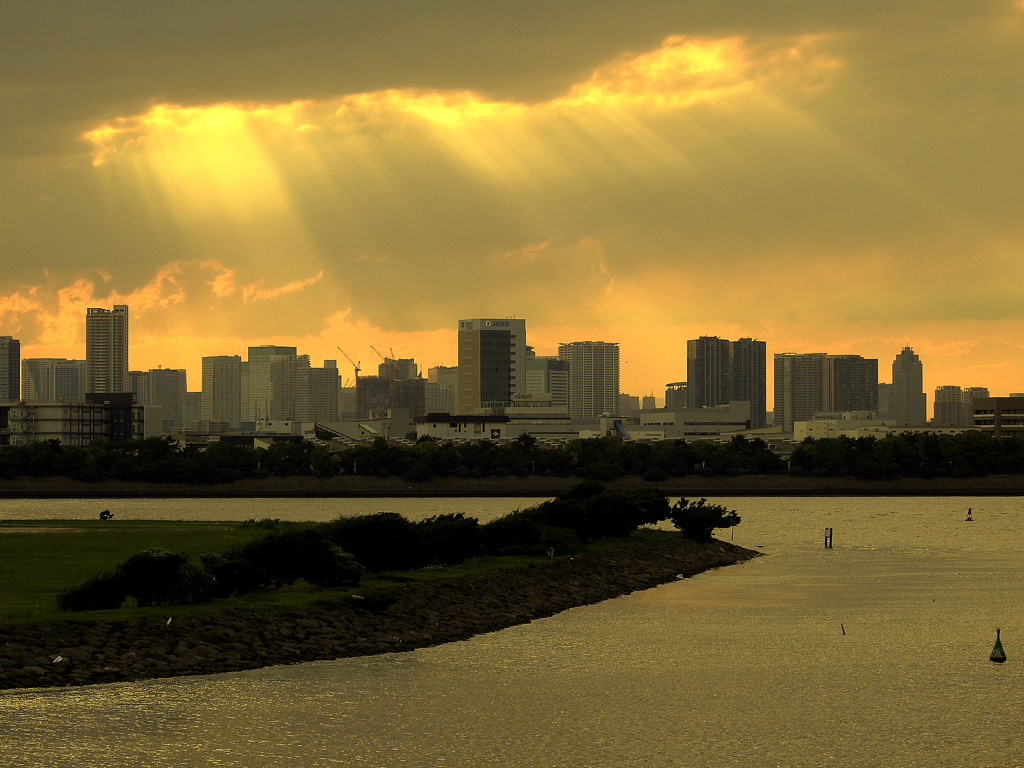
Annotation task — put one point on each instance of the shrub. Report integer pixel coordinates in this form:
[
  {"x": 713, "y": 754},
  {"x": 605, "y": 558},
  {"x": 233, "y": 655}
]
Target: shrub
[
  {"x": 282, "y": 558},
  {"x": 101, "y": 592},
  {"x": 514, "y": 533},
  {"x": 159, "y": 577},
  {"x": 655, "y": 475},
  {"x": 449, "y": 539},
  {"x": 562, "y": 540},
  {"x": 697, "y": 519},
  {"x": 382, "y": 542}
]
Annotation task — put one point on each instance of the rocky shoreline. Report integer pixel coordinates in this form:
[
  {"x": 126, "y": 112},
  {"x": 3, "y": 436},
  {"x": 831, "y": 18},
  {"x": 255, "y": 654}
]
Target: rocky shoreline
[{"x": 424, "y": 614}]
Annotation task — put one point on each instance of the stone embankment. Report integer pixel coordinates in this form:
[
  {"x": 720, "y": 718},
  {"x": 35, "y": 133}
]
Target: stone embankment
[{"x": 424, "y": 614}]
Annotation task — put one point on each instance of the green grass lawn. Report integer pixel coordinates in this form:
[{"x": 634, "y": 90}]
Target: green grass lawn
[{"x": 38, "y": 558}]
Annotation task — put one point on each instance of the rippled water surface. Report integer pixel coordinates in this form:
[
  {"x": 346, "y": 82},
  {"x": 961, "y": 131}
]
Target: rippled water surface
[{"x": 745, "y": 666}]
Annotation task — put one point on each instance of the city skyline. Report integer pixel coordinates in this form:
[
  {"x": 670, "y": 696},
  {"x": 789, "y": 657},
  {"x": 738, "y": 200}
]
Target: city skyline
[{"x": 817, "y": 177}]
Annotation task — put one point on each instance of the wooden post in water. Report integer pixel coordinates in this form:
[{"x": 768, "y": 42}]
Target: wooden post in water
[
  {"x": 998, "y": 654},
  {"x": 828, "y": 538},
  {"x": 969, "y": 518}
]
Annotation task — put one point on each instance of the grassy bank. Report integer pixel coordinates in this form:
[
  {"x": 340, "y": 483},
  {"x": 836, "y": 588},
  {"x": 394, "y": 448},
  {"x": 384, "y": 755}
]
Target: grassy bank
[{"x": 39, "y": 558}]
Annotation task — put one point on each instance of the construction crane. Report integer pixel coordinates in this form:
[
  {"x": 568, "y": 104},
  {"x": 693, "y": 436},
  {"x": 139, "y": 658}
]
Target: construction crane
[{"x": 355, "y": 365}]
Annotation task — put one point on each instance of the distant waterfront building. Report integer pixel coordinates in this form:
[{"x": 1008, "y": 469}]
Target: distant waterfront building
[
  {"x": 53, "y": 378},
  {"x": 720, "y": 371},
  {"x": 853, "y": 383},
  {"x": 801, "y": 387},
  {"x": 908, "y": 403},
  {"x": 222, "y": 390},
  {"x": 106, "y": 349},
  {"x": 648, "y": 403},
  {"x": 954, "y": 407},
  {"x": 165, "y": 387},
  {"x": 492, "y": 363},
  {"x": 317, "y": 393},
  {"x": 676, "y": 396},
  {"x": 1000, "y": 416},
  {"x": 629, "y": 406},
  {"x": 398, "y": 369},
  {"x": 110, "y": 416},
  {"x": 593, "y": 377},
  {"x": 10, "y": 368},
  {"x": 548, "y": 375},
  {"x": 441, "y": 392}
]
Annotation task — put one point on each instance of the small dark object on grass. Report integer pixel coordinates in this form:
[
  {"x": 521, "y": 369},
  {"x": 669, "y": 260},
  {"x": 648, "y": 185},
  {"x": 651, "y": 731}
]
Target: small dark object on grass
[{"x": 106, "y": 514}]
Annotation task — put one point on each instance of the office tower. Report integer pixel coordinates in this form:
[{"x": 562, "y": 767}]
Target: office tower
[
  {"x": 593, "y": 377},
  {"x": 648, "y": 403},
  {"x": 853, "y": 383},
  {"x": 908, "y": 403},
  {"x": 317, "y": 393},
  {"x": 801, "y": 387},
  {"x": 10, "y": 368},
  {"x": 748, "y": 377},
  {"x": 676, "y": 396},
  {"x": 492, "y": 363},
  {"x": 441, "y": 392},
  {"x": 548, "y": 375},
  {"x": 707, "y": 371},
  {"x": 106, "y": 349},
  {"x": 257, "y": 394},
  {"x": 222, "y": 390},
  {"x": 970, "y": 394},
  {"x": 53, "y": 378},
  {"x": 884, "y": 399}
]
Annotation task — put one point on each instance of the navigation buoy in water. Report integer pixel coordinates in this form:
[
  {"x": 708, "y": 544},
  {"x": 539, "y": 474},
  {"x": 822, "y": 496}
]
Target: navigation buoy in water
[
  {"x": 998, "y": 654},
  {"x": 969, "y": 518}
]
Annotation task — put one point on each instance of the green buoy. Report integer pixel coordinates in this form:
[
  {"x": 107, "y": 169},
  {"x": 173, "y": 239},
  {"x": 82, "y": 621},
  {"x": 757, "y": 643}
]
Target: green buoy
[{"x": 998, "y": 654}]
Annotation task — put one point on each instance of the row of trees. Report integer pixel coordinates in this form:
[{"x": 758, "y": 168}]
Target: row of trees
[
  {"x": 339, "y": 552},
  {"x": 603, "y": 459}
]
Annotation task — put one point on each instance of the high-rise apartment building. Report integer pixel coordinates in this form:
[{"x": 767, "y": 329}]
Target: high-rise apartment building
[
  {"x": 708, "y": 371},
  {"x": 748, "y": 372},
  {"x": 317, "y": 393},
  {"x": 593, "y": 377},
  {"x": 801, "y": 387},
  {"x": 492, "y": 363},
  {"x": 677, "y": 396},
  {"x": 10, "y": 368},
  {"x": 908, "y": 404},
  {"x": 720, "y": 371},
  {"x": 853, "y": 383},
  {"x": 53, "y": 378},
  {"x": 222, "y": 390},
  {"x": 165, "y": 387},
  {"x": 106, "y": 350},
  {"x": 954, "y": 407}
]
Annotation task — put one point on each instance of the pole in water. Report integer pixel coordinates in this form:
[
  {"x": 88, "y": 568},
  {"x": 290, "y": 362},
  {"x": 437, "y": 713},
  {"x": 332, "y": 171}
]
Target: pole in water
[
  {"x": 998, "y": 654},
  {"x": 969, "y": 518},
  {"x": 828, "y": 538}
]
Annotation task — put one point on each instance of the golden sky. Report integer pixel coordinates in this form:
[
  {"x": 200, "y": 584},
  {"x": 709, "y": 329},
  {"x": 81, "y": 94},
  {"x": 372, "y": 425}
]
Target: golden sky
[{"x": 338, "y": 174}]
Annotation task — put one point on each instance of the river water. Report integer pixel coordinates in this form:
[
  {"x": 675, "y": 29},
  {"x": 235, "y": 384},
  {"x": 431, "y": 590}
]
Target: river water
[{"x": 873, "y": 653}]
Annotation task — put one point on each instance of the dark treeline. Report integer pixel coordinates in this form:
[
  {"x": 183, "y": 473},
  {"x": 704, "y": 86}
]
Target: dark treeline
[{"x": 928, "y": 455}]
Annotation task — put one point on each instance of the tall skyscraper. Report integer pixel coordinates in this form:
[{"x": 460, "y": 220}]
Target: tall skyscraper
[
  {"x": 593, "y": 377},
  {"x": 222, "y": 389},
  {"x": 10, "y": 368},
  {"x": 748, "y": 372},
  {"x": 257, "y": 386},
  {"x": 106, "y": 350},
  {"x": 801, "y": 387},
  {"x": 720, "y": 371},
  {"x": 53, "y": 378},
  {"x": 908, "y": 404},
  {"x": 853, "y": 383},
  {"x": 492, "y": 363},
  {"x": 317, "y": 393},
  {"x": 708, "y": 371}
]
